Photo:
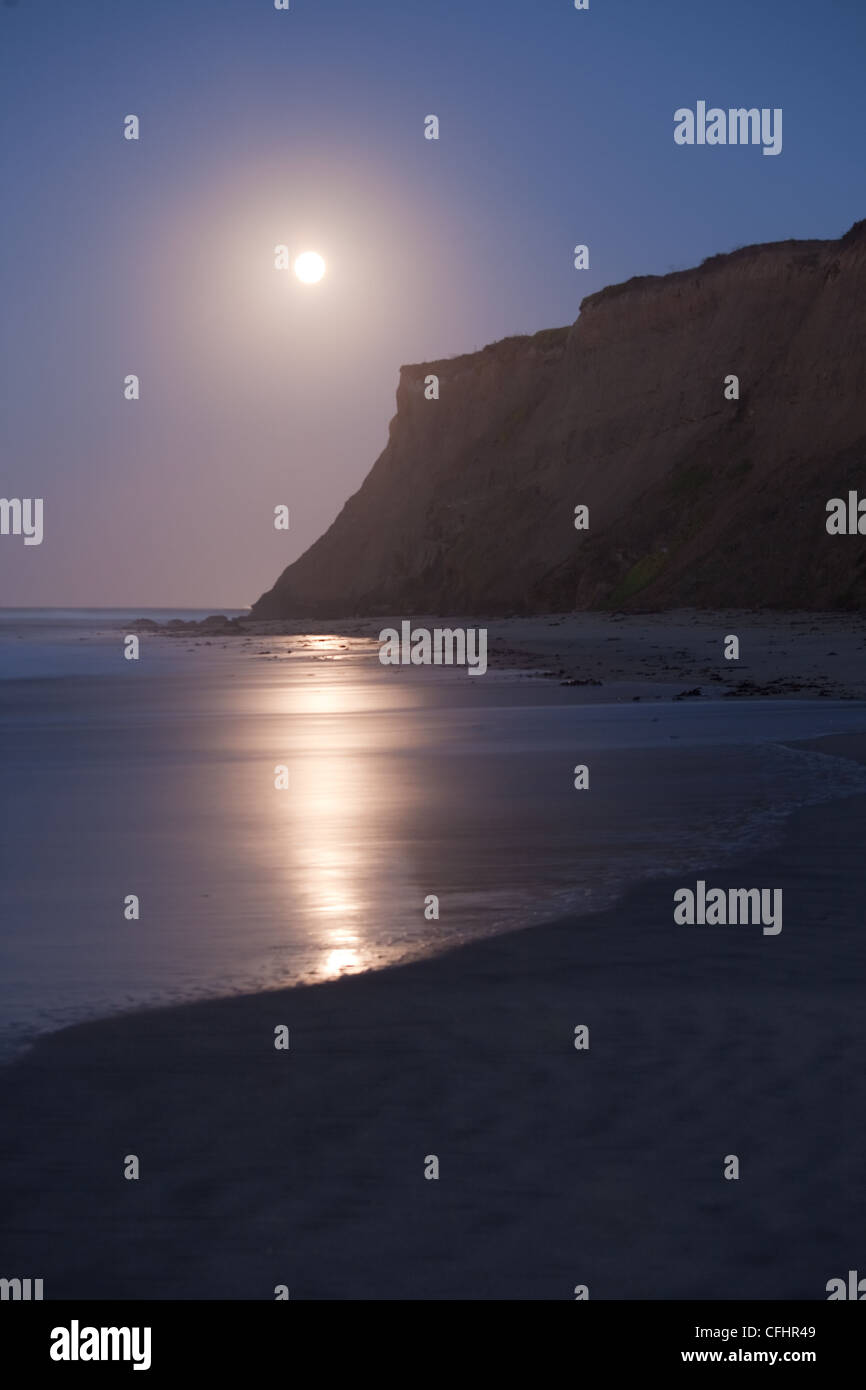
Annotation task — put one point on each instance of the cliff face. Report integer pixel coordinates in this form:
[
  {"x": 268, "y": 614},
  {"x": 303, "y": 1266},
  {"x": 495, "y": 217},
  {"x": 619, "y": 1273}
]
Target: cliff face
[{"x": 693, "y": 499}]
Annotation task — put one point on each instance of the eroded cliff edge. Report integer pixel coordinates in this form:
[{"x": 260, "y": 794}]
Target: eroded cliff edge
[{"x": 694, "y": 500}]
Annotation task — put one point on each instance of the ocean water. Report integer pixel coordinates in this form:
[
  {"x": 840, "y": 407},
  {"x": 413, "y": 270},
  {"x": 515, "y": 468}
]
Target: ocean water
[
  {"x": 54, "y": 642},
  {"x": 156, "y": 779}
]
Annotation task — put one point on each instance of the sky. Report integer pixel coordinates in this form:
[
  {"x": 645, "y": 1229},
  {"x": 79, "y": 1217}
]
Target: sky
[{"x": 305, "y": 128}]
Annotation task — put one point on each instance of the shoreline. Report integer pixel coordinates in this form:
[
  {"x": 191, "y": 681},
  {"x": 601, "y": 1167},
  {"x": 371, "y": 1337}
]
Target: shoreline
[
  {"x": 722, "y": 839},
  {"x": 783, "y": 654},
  {"x": 558, "y": 1167}
]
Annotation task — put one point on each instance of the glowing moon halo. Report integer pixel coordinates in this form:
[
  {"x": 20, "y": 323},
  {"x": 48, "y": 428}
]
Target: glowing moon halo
[{"x": 309, "y": 267}]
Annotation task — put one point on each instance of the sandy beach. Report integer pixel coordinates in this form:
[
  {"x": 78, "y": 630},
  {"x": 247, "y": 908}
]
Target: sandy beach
[
  {"x": 558, "y": 1167},
  {"x": 655, "y": 654}
]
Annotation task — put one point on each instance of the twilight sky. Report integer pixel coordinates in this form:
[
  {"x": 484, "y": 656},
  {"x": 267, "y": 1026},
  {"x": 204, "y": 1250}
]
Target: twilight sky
[{"x": 306, "y": 128}]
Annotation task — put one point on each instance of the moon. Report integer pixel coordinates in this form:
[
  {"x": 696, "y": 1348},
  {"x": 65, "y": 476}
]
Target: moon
[{"x": 309, "y": 267}]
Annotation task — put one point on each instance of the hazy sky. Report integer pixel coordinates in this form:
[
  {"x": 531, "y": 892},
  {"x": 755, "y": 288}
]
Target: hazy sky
[{"x": 306, "y": 128}]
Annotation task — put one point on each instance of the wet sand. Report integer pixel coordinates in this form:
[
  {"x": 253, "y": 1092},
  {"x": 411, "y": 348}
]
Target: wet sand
[
  {"x": 557, "y": 1167},
  {"x": 656, "y": 655},
  {"x": 158, "y": 780}
]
